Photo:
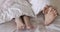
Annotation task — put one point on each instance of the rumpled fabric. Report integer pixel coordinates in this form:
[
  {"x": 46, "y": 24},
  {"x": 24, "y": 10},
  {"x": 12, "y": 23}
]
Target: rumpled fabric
[
  {"x": 38, "y": 21},
  {"x": 10, "y": 9}
]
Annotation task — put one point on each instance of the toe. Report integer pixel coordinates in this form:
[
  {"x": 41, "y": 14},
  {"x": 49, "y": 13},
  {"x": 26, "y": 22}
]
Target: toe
[
  {"x": 54, "y": 12},
  {"x": 45, "y": 9},
  {"x": 20, "y": 27},
  {"x": 23, "y": 26},
  {"x": 29, "y": 27}
]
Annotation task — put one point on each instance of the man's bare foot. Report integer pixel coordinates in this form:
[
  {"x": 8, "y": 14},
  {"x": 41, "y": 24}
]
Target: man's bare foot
[
  {"x": 27, "y": 22},
  {"x": 20, "y": 24},
  {"x": 50, "y": 14}
]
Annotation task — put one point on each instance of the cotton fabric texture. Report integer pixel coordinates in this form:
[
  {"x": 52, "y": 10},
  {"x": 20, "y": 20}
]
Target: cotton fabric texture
[{"x": 10, "y": 9}]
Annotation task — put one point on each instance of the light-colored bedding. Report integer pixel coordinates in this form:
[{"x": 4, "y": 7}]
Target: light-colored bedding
[
  {"x": 10, "y": 9},
  {"x": 37, "y": 21}
]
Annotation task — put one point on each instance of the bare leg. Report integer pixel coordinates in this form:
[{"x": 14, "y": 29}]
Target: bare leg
[
  {"x": 27, "y": 22},
  {"x": 19, "y": 23},
  {"x": 50, "y": 14}
]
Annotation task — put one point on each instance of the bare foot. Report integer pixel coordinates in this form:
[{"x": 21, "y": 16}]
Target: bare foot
[
  {"x": 50, "y": 14},
  {"x": 27, "y": 22},
  {"x": 20, "y": 24}
]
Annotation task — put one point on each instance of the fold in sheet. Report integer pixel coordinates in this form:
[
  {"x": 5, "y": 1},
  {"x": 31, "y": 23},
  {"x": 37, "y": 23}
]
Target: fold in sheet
[{"x": 10, "y": 9}]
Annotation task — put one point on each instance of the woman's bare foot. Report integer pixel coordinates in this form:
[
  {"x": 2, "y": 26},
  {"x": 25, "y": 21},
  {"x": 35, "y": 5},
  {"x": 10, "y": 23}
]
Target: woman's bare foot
[
  {"x": 27, "y": 22},
  {"x": 20, "y": 24},
  {"x": 50, "y": 14}
]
